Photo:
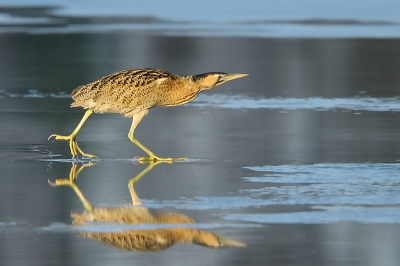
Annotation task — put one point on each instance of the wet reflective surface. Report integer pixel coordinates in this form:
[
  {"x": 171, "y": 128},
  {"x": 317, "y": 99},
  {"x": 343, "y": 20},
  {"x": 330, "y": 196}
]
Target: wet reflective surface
[
  {"x": 159, "y": 230},
  {"x": 299, "y": 160}
]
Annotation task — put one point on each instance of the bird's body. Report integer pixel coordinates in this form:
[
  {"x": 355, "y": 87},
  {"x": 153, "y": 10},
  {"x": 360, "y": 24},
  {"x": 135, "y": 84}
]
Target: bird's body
[{"x": 133, "y": 92}]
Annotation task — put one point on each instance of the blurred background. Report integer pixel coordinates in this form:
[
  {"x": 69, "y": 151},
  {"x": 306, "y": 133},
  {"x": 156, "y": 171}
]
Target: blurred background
[
  {"x": 299, "y": 160},
  {"x": 254, "y": 18}
]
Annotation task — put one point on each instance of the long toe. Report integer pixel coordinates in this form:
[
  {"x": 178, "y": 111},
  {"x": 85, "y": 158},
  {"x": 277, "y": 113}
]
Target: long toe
[
  {"x": 182, "y": 159},
  {"x": 149, "y": 159},
  {"x": 159, "y": 159},
  {"x": 84, "y": 154},
  {"x": 60, "y": 137},
  {"x": 89, "y": 156}
]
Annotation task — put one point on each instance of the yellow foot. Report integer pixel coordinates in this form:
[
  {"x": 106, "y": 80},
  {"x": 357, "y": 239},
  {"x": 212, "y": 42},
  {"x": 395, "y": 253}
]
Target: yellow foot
[
  {"x": 154, "y": 158},
  {"x": 73, "y": 146}
]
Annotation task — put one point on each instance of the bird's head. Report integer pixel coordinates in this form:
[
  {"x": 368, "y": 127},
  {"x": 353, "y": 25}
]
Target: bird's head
[{"x": 212, "y": 79}]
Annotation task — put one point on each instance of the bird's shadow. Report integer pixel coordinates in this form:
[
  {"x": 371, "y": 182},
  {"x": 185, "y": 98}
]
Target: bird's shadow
[{"x": 148, "y": 231}]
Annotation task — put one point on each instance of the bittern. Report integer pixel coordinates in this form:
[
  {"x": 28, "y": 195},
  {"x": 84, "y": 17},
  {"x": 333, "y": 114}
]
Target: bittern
[
  {"x": 133, "y": 92},
  {"x": 160, "y": 231}
]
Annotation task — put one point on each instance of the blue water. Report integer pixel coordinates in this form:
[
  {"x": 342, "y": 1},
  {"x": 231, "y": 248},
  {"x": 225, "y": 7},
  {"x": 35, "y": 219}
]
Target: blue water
[
  {"x": 371, "y": 184},
  {"x": 374, "y": 104},
  {"x": 257, "y": 18},
  {"x": 299, "y": 160}
]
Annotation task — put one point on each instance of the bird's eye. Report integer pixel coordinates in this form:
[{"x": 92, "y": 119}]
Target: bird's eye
[{"x": 219, "y": 77}]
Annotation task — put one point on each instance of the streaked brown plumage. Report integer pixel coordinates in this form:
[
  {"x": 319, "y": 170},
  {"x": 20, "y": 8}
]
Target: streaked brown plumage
[
  {"x": 160, "y": 231},
  {"x": 133, "y": 92},
  {"x": 157, "y": 237}
]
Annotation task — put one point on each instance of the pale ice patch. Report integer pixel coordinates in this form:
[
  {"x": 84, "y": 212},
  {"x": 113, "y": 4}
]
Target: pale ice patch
[
  {"x": 243, "y": 102},
  {"x": 325, "y": 215},
  {"x": 387, "y": 173},
  {"x": 327, "y": 193},
  {"x": 207, "y": 203},
  {"x": 327, "y": 184},
  {"x": 313, "y": 103}
]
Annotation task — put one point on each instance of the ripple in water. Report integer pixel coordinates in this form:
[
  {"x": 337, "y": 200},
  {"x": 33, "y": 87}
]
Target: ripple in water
[
  {"x": 313, "y": 103},
  {"x": 365, "y": 193},
  {"x": 244, "y": 102}
]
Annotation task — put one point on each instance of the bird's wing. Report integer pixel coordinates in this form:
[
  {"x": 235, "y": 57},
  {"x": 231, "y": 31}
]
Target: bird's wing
[{"x": 122, "y": 91}]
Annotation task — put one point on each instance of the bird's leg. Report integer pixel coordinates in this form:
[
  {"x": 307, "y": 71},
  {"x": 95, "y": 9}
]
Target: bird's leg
[
  {"x": 132, "y": 182},
  {"x": 73, "y": 145},
  {"x": 152, "y": 157},
  {"x": 73, "y": 175}
]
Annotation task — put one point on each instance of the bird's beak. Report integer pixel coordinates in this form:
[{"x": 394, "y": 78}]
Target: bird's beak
[{"x": 229, "y": 77}]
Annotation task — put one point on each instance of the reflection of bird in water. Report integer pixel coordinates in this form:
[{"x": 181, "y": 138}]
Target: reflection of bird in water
[
  {"x": 133, "y": 92},
  {"x": 167, "y": 234},
  {"x": 148, "y": 239}
]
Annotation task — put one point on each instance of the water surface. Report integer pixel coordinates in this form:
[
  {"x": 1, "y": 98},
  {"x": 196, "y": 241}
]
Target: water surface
[{"x": 299, "y": 160}]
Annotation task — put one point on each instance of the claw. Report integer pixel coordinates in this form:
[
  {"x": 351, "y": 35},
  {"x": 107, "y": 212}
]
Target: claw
[
  {"x": 73, "y": 145},
  {"x": 88, "y": 156},
  {"x": 53, "y": 135},
  {"x": 59, "y": 137},
  {"x": 90, "y": 163},
  {"x": 182, "y": 159},
  {"x": 155, "y": 159},
  {"x": 136, "y": 160},
  {"x": 58, "y": 182}
]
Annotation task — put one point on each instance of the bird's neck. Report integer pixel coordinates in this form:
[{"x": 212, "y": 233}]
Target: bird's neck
[{"x": 180, "y": 91}]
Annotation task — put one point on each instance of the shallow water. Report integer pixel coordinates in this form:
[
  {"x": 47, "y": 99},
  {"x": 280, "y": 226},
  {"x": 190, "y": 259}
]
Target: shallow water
[
  {"x": 299, "y": 160},
  {"x": 253, "y": 18}
]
